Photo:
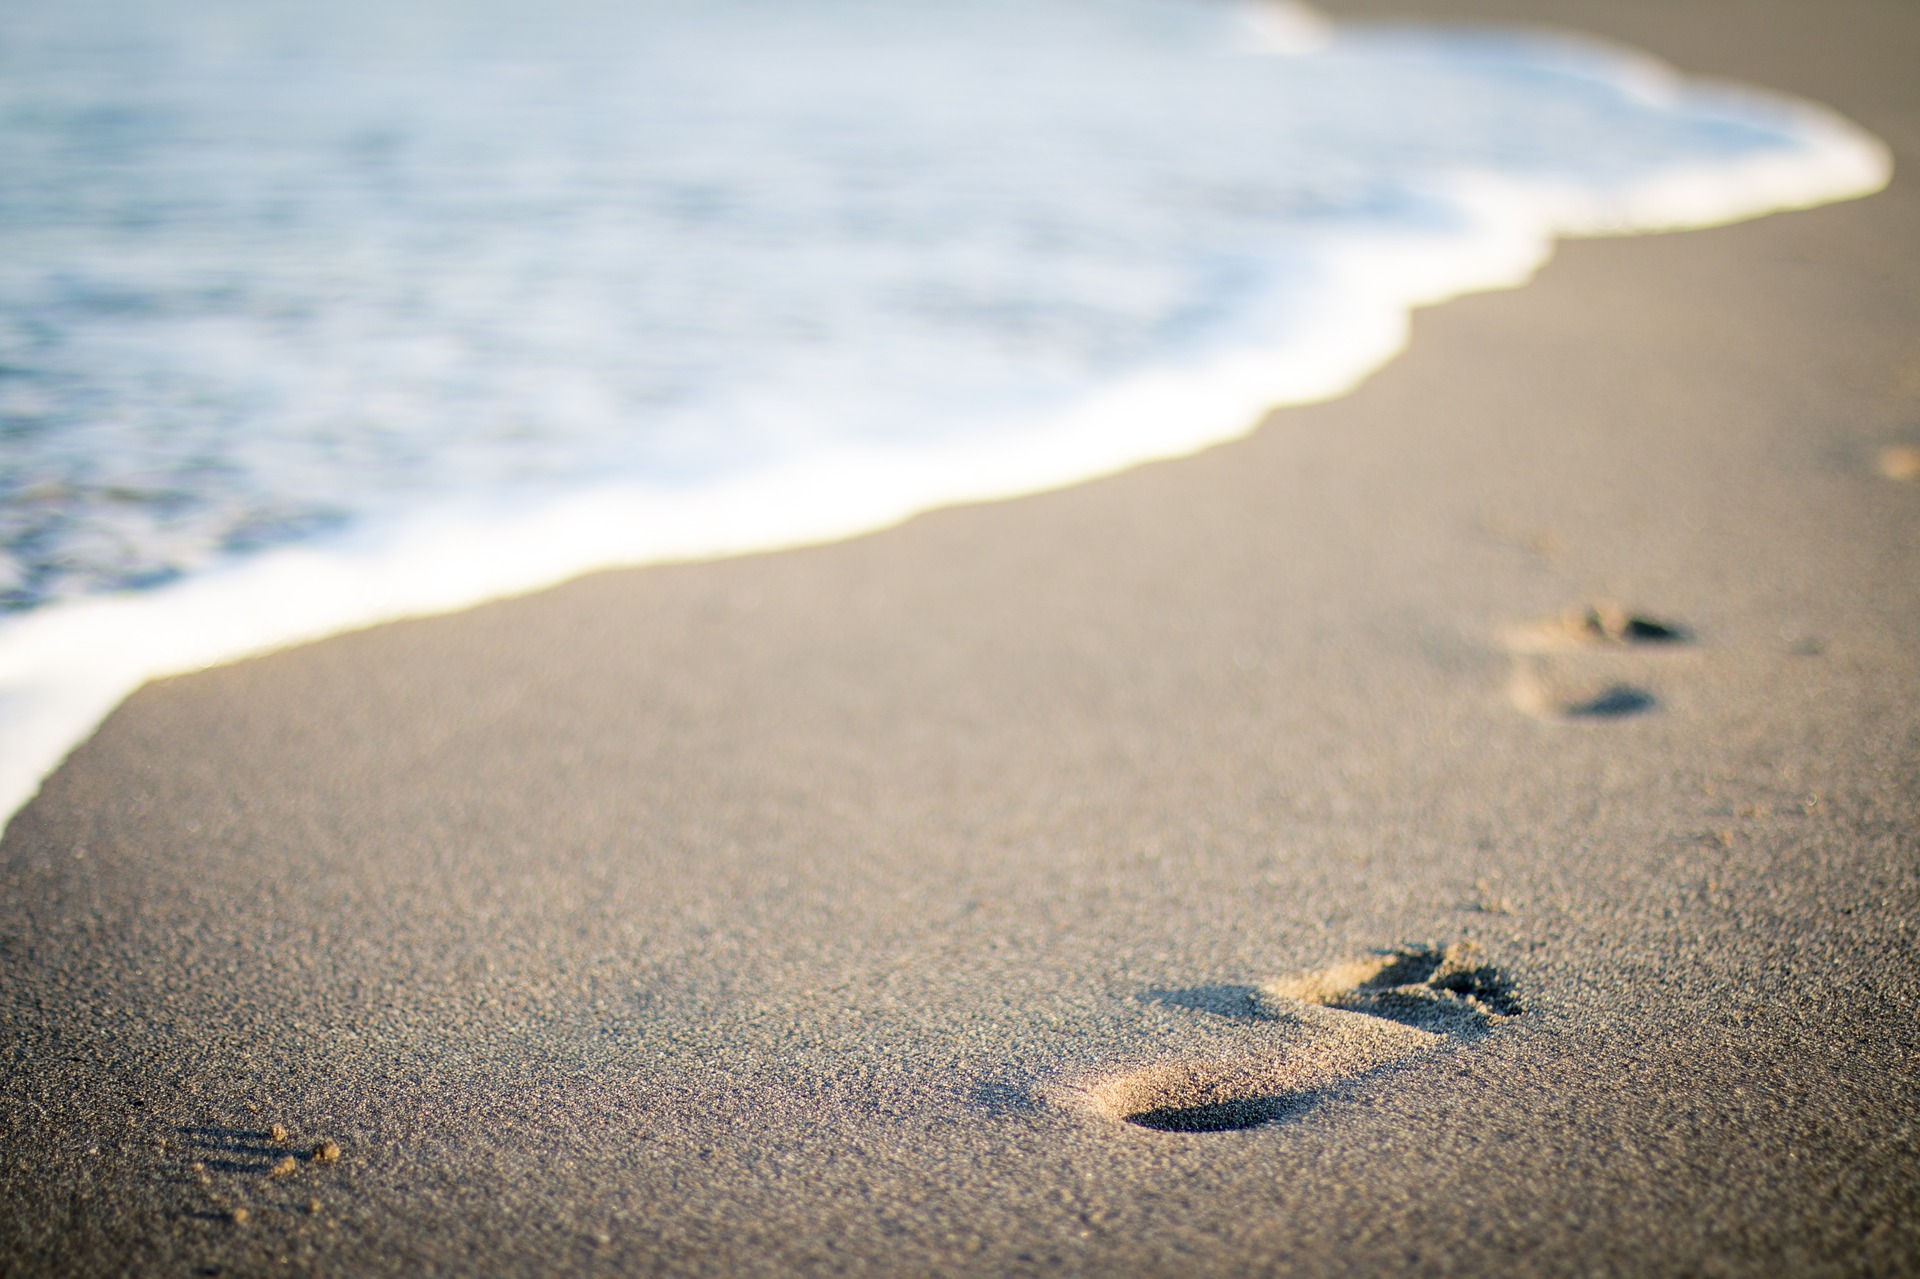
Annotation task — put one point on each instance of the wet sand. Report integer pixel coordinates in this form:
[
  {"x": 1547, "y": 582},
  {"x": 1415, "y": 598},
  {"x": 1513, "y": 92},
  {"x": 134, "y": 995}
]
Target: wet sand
[{"x": 836, "y": 910}]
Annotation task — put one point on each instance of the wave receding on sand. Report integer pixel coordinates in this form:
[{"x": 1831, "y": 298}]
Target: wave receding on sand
[{"x": 63, "y": 668}]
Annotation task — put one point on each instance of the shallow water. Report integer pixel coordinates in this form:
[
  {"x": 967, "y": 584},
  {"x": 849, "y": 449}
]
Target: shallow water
[{"x": 312, "y": 315}]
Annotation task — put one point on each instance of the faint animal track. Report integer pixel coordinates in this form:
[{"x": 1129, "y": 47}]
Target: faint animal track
[
  {"x": 222, "y": 1164},
  {"x": 1554, "y": 675},
  {"x": 1325, "y": 1027}
]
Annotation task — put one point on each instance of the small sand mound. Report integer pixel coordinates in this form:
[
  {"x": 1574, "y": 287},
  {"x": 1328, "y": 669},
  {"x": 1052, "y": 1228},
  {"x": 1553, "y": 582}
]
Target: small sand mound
[{"x": 1901, "y": 462}]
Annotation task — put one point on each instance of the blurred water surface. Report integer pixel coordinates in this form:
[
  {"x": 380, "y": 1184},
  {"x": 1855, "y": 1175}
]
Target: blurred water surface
[{"x": 274, "y": 271}]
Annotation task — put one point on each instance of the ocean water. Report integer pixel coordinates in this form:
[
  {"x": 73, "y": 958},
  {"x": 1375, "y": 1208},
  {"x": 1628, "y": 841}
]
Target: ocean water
[{"x": 318, "y": 314}]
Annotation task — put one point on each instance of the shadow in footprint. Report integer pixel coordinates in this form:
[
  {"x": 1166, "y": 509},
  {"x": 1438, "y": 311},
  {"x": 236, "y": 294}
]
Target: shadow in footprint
[
  {"x": 1615, "y": 703},
  {"x": 1225, "y": 1116}
]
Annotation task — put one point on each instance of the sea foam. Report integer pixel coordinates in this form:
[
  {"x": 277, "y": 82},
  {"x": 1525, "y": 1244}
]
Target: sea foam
[{"x": 323, "y": 316}]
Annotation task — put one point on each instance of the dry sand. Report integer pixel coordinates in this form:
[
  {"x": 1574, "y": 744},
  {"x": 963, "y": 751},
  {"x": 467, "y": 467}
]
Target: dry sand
[{"x": 828, "y": 911}]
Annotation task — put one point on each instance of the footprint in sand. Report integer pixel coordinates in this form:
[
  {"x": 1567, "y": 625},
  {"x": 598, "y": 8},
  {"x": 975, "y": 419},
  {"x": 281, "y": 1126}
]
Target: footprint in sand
[
  {"x": 1323, "y": 1027},
  {"x": 1563, "y": 666}
]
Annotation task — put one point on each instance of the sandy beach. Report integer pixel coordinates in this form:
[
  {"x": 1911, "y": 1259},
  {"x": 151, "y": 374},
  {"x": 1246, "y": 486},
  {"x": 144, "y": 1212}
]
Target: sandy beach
[{"x": 1471, "y": 826}]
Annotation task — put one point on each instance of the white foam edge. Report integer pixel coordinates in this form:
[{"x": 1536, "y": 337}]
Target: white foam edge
[{"x": 64, "y": 669}]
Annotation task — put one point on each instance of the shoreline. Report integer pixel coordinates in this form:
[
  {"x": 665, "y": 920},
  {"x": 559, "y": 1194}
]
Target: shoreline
[{"x": 65, "y": 666}]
